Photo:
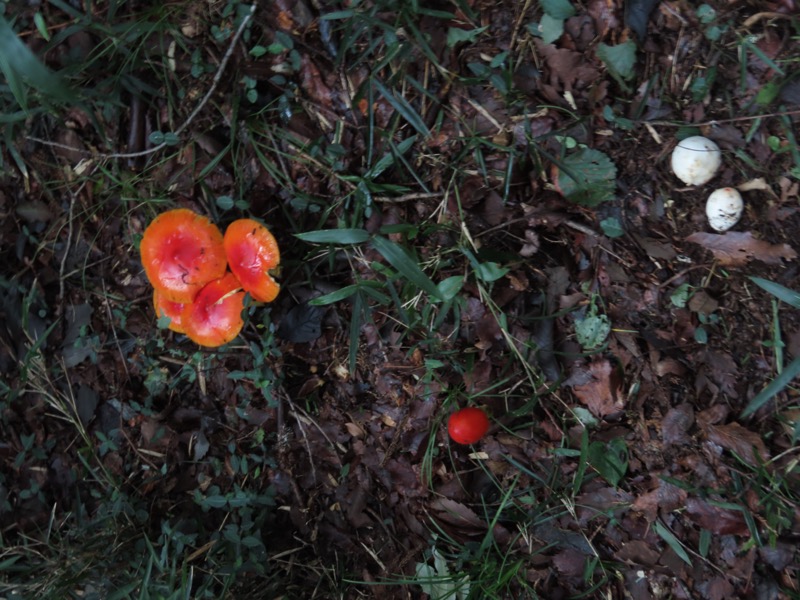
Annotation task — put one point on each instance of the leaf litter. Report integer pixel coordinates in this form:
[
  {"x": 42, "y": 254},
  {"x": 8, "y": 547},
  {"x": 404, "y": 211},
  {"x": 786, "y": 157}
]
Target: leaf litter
[{"x": 359, "y": 462}]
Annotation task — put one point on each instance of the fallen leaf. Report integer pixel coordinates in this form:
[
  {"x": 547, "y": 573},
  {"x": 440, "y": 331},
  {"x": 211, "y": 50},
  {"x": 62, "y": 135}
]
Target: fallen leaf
[
  {"x": 717, "y": 520},
  {"x": 736, "y": 248},
  {"x": 738, "y": 439},
  {"x": 570, "y": 563},
  {"x": 676, "y": 424},
  {"x": 638, "y": 552},
  {"x": 600, "y": 393}
]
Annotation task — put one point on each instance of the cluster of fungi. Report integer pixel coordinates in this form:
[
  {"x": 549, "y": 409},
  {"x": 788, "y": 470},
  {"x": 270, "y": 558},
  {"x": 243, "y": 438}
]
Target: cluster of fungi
[{"x": 200, "y": 277}]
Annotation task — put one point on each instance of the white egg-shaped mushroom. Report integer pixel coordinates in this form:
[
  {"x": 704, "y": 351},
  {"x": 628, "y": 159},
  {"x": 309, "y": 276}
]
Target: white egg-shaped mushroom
[
  {"x": 696, "y": 160},
  {"x": 724, "y": 208}
]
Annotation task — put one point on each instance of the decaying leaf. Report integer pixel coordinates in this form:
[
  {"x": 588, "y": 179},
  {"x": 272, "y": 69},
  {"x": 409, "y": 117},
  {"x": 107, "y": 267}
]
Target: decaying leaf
[
  {"x": 735, "y": 248},
  {"x": 743, "y": 442}
]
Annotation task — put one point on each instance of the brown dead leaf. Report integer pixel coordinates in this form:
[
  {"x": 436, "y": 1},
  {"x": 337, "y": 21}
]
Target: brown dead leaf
[
  {"x": 717, "y": 588},
  {"x": 735, "y": 248},
  {"x": 570, "y": 563},
  {"x": 676, "y": 424},
  {"x": 638, "y": 552},
  {"x": 702, "y": 303},
  {"x": 720, "y": 521},
  {"x": 738, "y": 439},
  {"x": 601, "y": 393},
  {"x": 566, "y": 67}
]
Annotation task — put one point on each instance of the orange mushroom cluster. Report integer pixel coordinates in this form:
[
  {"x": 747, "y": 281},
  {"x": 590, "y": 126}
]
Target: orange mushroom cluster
[{"x": 187, "y": 260}]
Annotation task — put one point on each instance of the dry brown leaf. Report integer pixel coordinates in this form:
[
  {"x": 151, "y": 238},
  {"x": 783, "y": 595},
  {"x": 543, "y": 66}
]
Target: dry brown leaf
[
  {"x": 736, "y": 248},
  {"x": 740, "y": 440},
  {"x": 601, "y": 393}
]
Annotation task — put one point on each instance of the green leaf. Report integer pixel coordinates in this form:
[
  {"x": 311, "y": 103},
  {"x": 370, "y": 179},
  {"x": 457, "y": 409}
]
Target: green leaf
[
  {"x": 490, "y": 271},
  {"x": 789, "y": 372},
  {"x": 558, "y": 9},
  {"x": 673, "y": 542},
  {"x": 610, "y": 459},
  {"x": 594, "y": 177},
  {"x": 334, "y": 236},
  {"x": 225, "y": 203},
  {"x": 396, "y": 256},
  {"x": 680, "y": 296},
  {"x": 456, "y": 36},
  {"x": 551, "y": 28},
  {"x": 767, "y": 94},
  {"x": 449, "y": 287},
  {"x": 612, "y": 227},
  {"x": 592, "y": 331},
  {"x": 619, "y": 60}
]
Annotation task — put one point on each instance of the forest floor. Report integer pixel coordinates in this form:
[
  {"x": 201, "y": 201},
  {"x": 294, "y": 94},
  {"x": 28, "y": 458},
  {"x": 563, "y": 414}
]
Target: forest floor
[{"x": 475, "y": 207}]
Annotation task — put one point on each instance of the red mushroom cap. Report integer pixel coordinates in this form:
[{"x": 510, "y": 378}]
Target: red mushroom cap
[
  {"x": 468, "y": 425},
  {"x": 167, "y": 308},
  {"x": 215, "y": 316},
  {"x": 181, "y": 252},
  {"x": 252, "y": 252}
]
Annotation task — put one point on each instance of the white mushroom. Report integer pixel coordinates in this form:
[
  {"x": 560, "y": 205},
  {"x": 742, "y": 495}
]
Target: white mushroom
[
  {"x": 696, "y": 160},
  {"x": 724, "y": 208}
]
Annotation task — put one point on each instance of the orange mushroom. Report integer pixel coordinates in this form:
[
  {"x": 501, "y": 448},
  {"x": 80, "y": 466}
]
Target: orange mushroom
[
  {"x": 215, "y": 316},
  {"x": 181, "y": 252},
  {"x": 167, "y": 308},
  {"x": 252, "y": 252}
]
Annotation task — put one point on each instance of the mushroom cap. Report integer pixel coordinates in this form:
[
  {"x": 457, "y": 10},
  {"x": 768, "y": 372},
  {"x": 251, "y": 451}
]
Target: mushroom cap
[
  {"x": 167, "y": 308},
  {"x": 724, "y": 208},
  {"x": 215, "y": 316},
  {"x": 695, "y": 160},
  {"x": 468, "y": 425},
  {"x": 252, "y": 252},
  {"x": 181, "y": 252}
]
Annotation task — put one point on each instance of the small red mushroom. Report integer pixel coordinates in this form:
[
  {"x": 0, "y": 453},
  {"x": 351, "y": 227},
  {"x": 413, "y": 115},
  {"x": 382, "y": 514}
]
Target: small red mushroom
[
  {"x": 167, "y": 308},
  {"x": 181, "y": 252},
  {"x": 252, "y": 253},
  {"x": 215, "y": 316},
  {"x": 468, "y": 425}
]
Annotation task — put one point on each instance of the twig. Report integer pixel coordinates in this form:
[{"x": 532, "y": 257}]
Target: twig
[
  {"x": 62, "y": 266},
  {"x": 788, "y": 113},
  {"x": 214, "y": 83},
  {"x": 114, "y": 330}
]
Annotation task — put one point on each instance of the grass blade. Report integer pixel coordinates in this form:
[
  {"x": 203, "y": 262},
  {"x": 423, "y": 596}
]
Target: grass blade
[
  {"x": 17, "y": 61},
  {"x": 334, "y": 236},
  {"x": 789, "y": 372},
  {"x": 406, "y": 266},
  {"x": 782, "y": 293},
  {"x": 672, "y": 541},
  {"x": 402, "y": 106}
]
